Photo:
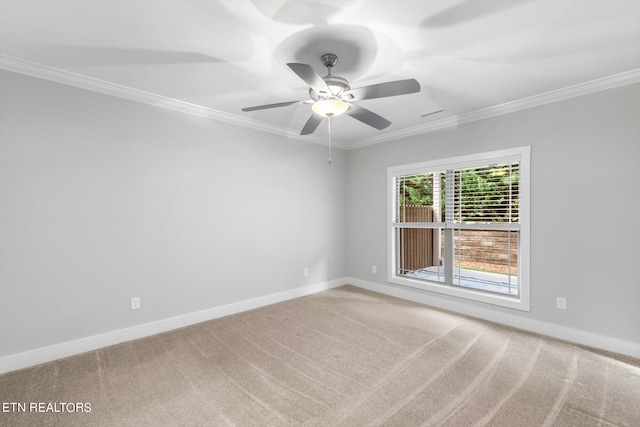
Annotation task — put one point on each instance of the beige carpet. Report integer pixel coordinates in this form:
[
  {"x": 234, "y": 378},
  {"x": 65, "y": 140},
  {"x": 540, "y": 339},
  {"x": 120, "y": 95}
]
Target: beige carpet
[{"x": 342, "y": 357}]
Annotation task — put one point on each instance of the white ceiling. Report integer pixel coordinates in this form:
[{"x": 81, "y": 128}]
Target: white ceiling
[{"x": 472, "y": 58}]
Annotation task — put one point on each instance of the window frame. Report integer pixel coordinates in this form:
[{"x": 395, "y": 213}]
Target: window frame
[{"x": 519, "y": 154}]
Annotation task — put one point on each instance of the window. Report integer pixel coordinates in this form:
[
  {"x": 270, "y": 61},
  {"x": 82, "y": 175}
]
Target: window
[{"x": 460, "y": 226}]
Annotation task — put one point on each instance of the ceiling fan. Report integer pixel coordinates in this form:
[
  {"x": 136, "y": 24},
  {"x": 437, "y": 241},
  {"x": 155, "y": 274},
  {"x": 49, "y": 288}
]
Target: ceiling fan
[{"x": 331, "y": 95}]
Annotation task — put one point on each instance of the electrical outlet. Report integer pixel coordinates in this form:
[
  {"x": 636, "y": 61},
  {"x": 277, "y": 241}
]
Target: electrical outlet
[
  {"x": 561, "y": 303},
  {"x": 305, "y": 271},
  {"x": 374, "y": 269},
  {"x": 135, "y": 303}
]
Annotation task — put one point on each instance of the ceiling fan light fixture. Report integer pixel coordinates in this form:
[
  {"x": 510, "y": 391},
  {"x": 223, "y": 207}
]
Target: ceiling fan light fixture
[{"x": 329, "y": 107}]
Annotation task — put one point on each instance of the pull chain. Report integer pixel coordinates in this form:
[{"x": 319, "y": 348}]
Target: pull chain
[{"x": 329, "y": 120}]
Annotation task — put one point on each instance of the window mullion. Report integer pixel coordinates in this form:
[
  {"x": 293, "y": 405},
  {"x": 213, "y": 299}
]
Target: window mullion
[
  {"x": 437, "y": 216},
  {"x": 449, "y": 206}
]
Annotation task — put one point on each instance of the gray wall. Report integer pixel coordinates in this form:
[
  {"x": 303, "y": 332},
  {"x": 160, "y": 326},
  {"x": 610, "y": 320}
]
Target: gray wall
[
  {"x": 584, "y": 194},
  {"x": 103, "y": 199}
]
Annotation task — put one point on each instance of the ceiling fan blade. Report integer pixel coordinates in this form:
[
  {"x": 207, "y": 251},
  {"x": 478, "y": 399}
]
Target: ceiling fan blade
[
  {"x": 311, "y": 124},
  {"x": 310, "y": 77},
  {"x": 367, "y": 117},
  {"x": 382, "y": 90},
  {"x": 264, "y": 107}
]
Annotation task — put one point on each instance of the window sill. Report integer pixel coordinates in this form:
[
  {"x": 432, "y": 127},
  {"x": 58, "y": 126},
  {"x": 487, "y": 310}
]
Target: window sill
[{"x": 517, "y": 303}]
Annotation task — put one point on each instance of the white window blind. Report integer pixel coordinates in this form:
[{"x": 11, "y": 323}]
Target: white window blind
[{"x": 486, "y": 194}]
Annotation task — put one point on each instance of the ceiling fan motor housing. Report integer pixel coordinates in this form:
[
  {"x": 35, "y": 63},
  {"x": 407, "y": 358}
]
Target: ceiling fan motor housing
[{"x": 337, "y": 86}]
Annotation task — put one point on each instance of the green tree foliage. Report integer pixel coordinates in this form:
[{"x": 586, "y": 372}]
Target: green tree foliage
[{"x": 417, "y": 190}]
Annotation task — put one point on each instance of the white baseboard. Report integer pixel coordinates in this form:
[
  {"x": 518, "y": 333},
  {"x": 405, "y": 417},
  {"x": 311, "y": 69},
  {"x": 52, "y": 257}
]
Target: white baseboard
[
  {"x": 37, "y": 356},
  {"x": 46, "y": 354},
  {"x": 577, "y": 336}
]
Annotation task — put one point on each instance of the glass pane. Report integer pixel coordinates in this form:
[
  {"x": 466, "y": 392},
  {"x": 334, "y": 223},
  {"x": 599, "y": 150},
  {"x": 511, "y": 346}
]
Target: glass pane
[
  {"x": 419, "y": 198},
  {"x": 486, "y": 260},
  {"x": 487, "y": 194},
  {"x": 419, "y": 253}
]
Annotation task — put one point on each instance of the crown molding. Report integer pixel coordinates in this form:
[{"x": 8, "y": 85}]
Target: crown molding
[
  {"x": 69, "y": 78},
  {"x": 621, "y": 79},
  {"x": 96, "y": 85}
]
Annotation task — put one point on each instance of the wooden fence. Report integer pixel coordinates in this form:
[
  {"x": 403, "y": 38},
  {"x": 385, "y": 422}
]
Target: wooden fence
[{"x": 417, "y": 243}]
